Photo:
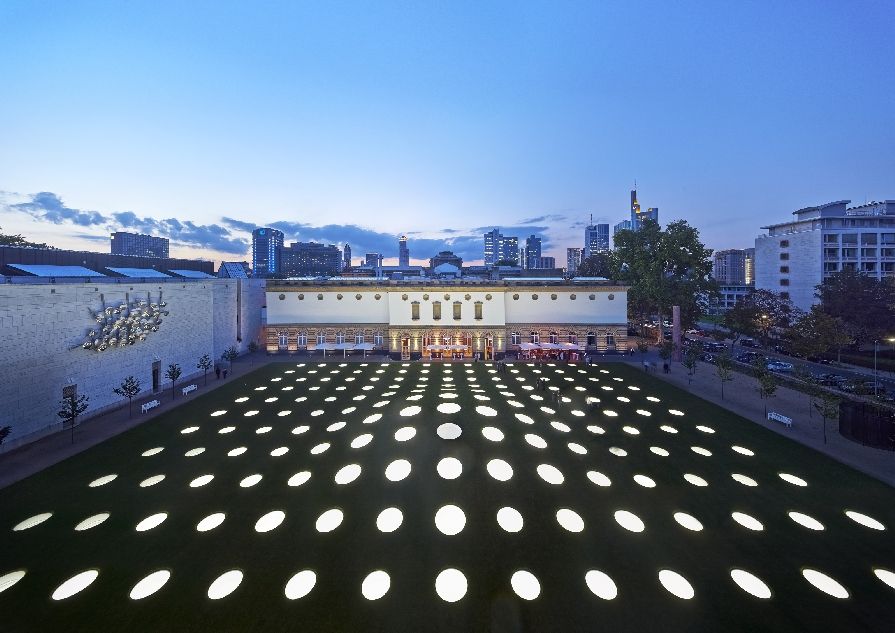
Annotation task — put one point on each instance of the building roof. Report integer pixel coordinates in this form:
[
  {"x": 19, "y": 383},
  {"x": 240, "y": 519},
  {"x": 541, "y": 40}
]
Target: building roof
[
  {"x": 233, "y": 270},
  {"x": 192, "y": 274},
  {"x": 137, "y": 272},
  {"x": 47, "y": 270}
]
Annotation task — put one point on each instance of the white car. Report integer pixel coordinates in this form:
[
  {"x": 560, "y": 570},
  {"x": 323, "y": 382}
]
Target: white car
[{"x": 776, "y": 365}]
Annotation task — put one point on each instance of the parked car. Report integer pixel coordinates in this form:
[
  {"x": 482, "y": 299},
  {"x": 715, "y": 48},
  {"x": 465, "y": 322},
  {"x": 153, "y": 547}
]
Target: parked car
[
  {"x": 831, "y": 380},
  {"x": 709, "y": 358},
  {"x": 749, "y": 357},
  {"x": 748, "y": 342},
  {"x": 820, "y": 361},
  {"x": 778, "y": 365}
]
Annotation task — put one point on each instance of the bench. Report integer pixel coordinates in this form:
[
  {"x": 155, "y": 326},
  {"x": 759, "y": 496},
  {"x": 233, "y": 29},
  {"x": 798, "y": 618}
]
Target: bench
[
  {"x": 777, "y": 417},
  {"x": 190, "y": 388},
  {"x": 152, "y": 404}
]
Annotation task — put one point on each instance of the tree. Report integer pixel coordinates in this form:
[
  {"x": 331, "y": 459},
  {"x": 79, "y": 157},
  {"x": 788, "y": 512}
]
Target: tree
[
  {"x": 72, "y": 406},
  {"x": 128, "y": 388},
  {"x": 173, "y": 373},
  {"x": 666, "y": 350},
  {"x": 253, "y": 347},
  {"x": 4, "y": 432},
  {"x": 758, "y": 314},
  {"x": 800, "y": 372},
  {"x": 827, "y": 404},
  {"x": 724, "y": 368},
  {"x": 767, "y": 387},
  {"x": 691, "y": 356},
  {"x": 865, "y": 304},
  {"x": 18, "y": 240},
  {"x": 816, "y": 332},
  {"x": 597, "y": 265},
  {"x": 204, "y": 364},
  {"x": 665, "y": 268},
  {"x": 230, "y": 354}
]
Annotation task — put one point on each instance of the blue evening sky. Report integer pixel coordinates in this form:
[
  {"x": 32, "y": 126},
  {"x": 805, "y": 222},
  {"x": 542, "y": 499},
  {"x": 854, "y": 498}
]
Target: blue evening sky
[{"x": 356, "y": 121}]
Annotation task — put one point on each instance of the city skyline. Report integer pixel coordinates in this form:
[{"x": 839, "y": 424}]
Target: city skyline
[{"x": 321, "y": 119}]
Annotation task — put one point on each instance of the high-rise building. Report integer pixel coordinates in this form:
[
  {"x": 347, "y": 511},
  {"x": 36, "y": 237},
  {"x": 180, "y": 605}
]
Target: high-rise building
[
  {"x": 546, "y": 262},
  {"x": 403, "y": 251},
  {"x": 346, "y": 257},
  {"x": 797, "y": 255},
  {"x": 596, "y": 239},
  {"x": 624, "y": 225},
  {"x": 493, "y": 246},
  {"x": 266, "y": 245},
  {"x": 729, "y": 267},
  {"x": 510, "y": 250},
  {"x": 532, "y": 252},
  {"x": 750, "y": 267},
  {"x": 573, "y": 259},
  {"x": 373, "y": 259},
  {"x": 310, "y": 259},
  {"x": 137, "y": 244},
  {"x": 638, "y": 216}
]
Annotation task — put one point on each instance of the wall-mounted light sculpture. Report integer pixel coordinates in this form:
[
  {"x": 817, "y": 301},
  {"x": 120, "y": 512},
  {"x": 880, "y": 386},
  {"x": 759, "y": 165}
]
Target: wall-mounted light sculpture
[{"x": 125, "y": 324}]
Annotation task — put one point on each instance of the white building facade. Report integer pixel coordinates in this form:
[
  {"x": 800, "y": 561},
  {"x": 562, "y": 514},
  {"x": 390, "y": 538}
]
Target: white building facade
[
  {"x": 478, "y": 318},
  {"x": 794, "y": 257}
]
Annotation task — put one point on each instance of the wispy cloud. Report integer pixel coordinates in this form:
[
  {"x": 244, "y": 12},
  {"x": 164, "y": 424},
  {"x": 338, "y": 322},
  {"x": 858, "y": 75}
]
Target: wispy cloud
[{"x": 47, "y": 206}]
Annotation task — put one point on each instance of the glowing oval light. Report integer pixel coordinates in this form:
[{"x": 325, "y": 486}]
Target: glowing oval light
[
  {"x": 499, "y": 469},
  {"x": 151, "y": 481},
  {"x": 618, "y": 452},
  {"x": 630, "y": 430},
  {"x": 210, "y": 522},
  {"x": 30, "y": 522},
  {"x": 405, "y": 433},
  {"x": 696, "y": 480},
  {"x": 676, "y": 584},
  {"x": 450, "y": 520},
  {"x": 577, "y": 448},
  {"x": 644, "y": 481},
  {"x": 701, "y": 451},
  {"x": 705, "y": 429},
  {"x": 102, "y": 481},
  {"x": 91, "y": 521},
  {"x": 250, "y": 481},
  {"x": 375, "y": 585},
  {"x": 525, "y": 419},
  {"x": 535, "y": 440},
  {"x": 449, "y": 468},
  {"x": 668, "y": 429},
  {"x": 448, "y": 407},
  {"x": 370, "y": 419},
  {"x": 550, "y": 474},
  {"x": 409, "y": 411},
  {"x": 362, "y": 440},
  {"x": 486, "y": 411},
  {"x": 826, "y": 584},
  {"x": 241, "y": 399},
  {"x": 599, "y": 478},
  {"x": 658, "y": 450},
  {"x": 449, "y": 431},
  {"x": 596, "y": 430},
  {"x": 792, "y": 479},
  {"x": 75, "y": 584},
  {"x": 397, "y": 470},
  {"x": 320, "y": 448},
  {"x": 688, "y": 521},
  {"x": 299, "y": 478},
  {"x": 153, "y": 451},
  {"x": 509, "y": 519},
  {"x": 149, "y": 585},
  {"x": 347, "y": 474},
  {"x": 450, "y": 585},
  {"x": 750, "y": 583},
  {"x": 279, "y": 452},
  {"x": 283, "y": 414},
  {"x": 215, "y": 414},
  {"x": 675, "y": 412},
  {"x": 743, "y": 479},
  {"x": 493, "y": 434},
  {"x": 610, "y": 413},
  {"x": 806, "y": 521},
  {"x": 189, "y": 429},
  {"x": 748, "y": 522},
  {"x": 225, "y": 584},
  {"x": 301, "y": 429},
  {"x": 570, "y": 520},
  {"x": 270, "y": 521},
  {"x": 300, "y": 584},
  {"x": 329, "y": 520},
  {"x": 629, "y": 521},
  {"x": 151, "y": 521},
  {"x": 336, "y": 426},
  {"x": 525, "y": 585},
  {"x": 864, "y": 520},
  {"x": 194, "y": 452},
  {"x": 562, "y": 428},
  {"x": 389, "y": 520},
  {"x": 885, "y": 575},
  {"x": 601, "y": 584},
  {"x": 8, "y": 580},
  {"x": 742, "y": 451}
]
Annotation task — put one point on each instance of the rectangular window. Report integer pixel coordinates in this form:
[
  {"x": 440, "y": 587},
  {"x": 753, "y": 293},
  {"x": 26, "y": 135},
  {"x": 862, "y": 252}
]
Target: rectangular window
[
  {"x": 302, "y": 339},
  {"x": 436, "y": 310},
  {"x": 849, "y": 253},
  {"x": 573, "y": 338},
  {"x": 887, "y": 238},
  {"x": 784, "y": 282},
  {"x": 457, "y": 310},
  {"x": 784, "y": 243},
  {"x": 358, "y": 339},
  {"x": 377, "y": 339},
  {"x": 887, "y": 252},
  {"x": 849, "y": 238},
  {"x": 869, "y": 267},
  {"x": 831, "y": 238},
  {"x": 321, "y": 338},
  {"x": 478, "y": 310},
  {"x": 831, "y": 253},
  {"x": 515, "y": 338},
  {"x": 868, "y": 239},
  {"x": 784, "y": 256},
  {"x": 784, "y": 269},
  {"x": 415, "y": 311},
  {"x": 831, "y": 267},
  {"x": 887, "y": 267},
  {"x": 535, "y": 337},
  {"x": 868, "y": 252}
]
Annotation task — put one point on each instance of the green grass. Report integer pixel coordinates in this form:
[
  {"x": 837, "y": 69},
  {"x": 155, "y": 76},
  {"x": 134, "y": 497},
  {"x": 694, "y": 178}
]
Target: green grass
[{"x": 414, "y": 554}]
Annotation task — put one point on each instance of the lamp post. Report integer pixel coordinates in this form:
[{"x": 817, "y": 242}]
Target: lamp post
[{"x": 875, "y": 379}]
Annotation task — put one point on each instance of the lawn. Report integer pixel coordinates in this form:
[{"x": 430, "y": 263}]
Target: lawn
[{"x": 565, "y": 516}]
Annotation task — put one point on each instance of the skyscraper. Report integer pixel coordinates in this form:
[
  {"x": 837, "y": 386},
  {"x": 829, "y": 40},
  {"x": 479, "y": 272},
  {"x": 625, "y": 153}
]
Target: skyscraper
[
  {"x": 139, "y": 244},
  {"x": 638, "y": 216},
  {"x": 373, "y": 259},
  {"x": 510, "y": 250},
  {"x": 573, "y": 258},
  {"x": 266, "y": 245},
  {"x": 346, "y": 257},
  {"x": 624, "y": 225},
  {"x": 729, "y": 267},
  {"x": 403, "y": 251},
  {"x": 532, "y": 252},
  {"x": 596, "y": 239},
  {"x": 304, "y": 259},
  {"x": 493, "y": 246}
]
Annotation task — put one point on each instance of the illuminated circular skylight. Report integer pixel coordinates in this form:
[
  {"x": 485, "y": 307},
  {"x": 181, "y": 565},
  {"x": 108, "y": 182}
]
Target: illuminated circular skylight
[
  {"x": 750, "y": 583},
  {"x": 225, "y": 584},
  {"x": 102, "y": 481},
  {"x": 270, "y": 521},
  {"x": 320, "y": 448},
  {"x": 509, "y": 519},
  {"x": 525, "y": 419},
  {"x": 300, "y": 584},
  {"x": 599, "y": 478},
  {"x": 397, "y": 470},
  {"x": 190, "y": 429},
  {"x": 151, "y": 521},
  {"x": 75, "y": 584},
  {"x": 676, "y": 584},
  {"x": 227, "y": 429},
  {"x": 806, "y": 521},
  {"x": 151, "y": 481},
  {"x": 250, "y": 481},
  {"x": 448, "y": 407},
  {"x": 570, "y": 520},
  {"x": 30, "y": 522},
  {"x": 405, "y": 433},
  {"x": 486, "y": 411},
  {"x": 629, "y": 521},
  {"x": 370, "y": 419},
  {"x": 329, "y": 520},
  {"x": 91, "y": 521},
  {"x": 742, "y": 451},
  {"x": 499, "y": 469},
  {"x": 630, "y": 430},
  {"x": 299, "y": 478},
  {"x": 347, "y": 474},
  {"x": 748, "y": 522},
  {"x": 601, "y": 584},
  {"x": 389, "y": 520},
  {"x": 688, "y": 521},
  {"x": 301, "y": 429},
  {"x": 885, "y": 575},
  {"x": 450, "y": 585},
  {"x": 210, "y": 522},
  {"x": 792, "y": 479},
  {"x": 153, "y": 451},
  {"x": 562, "y": 428},
  {"x": 264, "y": 429},
  {"x": 362, "y": 440},
  {"x": 236, "y": 452},
  {"x": 701, "y": 451},
  {"x": 279, "y": 452},
  {"x": 150, "y": 584},
  {"x": 375, "y": 585},
  {"x": 825, "y": 583},
  {"x": 864, "y": 520},
  {"x": 668, "y": 429},
  {"x": 449, "y": 468},
  {"x": 525, "y": 585},
  {"x": 8, "y": 580},
  {"x": 449, "y": 431},
  {"x": 618, "y": 452},
  {"x": 644, "y": 481},
  {"x": 450, "y": 520},
  {"x": 550, "y": 474},
  {"x": 658, "y": 450},
  {"x": 493, "y": 434},
  {"x": 200, "y": 481},
  {"x": 743, "y": 479},
  {"x": 696, "y": 480},
  {"x": 336, "y": 426}
]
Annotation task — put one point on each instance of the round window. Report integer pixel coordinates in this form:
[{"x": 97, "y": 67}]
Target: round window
[
  {"x": 592, "y": 297},
  {"x": 553, "y": 297},
  {"x": 487, "y": 297},
  {"x": 282, "y": 297},
  {"x": 320, "y": 297},
  {"x": 611, "y": 297},
  {"x": 425, "y": 297},
  {"x": 357, "y": 296},
  {"x": 515, "y": 297},
  {"x": 339, "y": 296},
  {"x": 301, "y": 297},
  {"x": 535, "y": 297},
  {"x": 378, "y": 296},
  {"x": 572, "y": 296}
]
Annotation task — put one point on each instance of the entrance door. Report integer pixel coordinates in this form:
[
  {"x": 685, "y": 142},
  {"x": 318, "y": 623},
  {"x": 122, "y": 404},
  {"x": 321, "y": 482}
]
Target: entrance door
[
  {"x": 156, "y": 375},
  {"x": 405, "y": 349},
  {"x": 489, "y": 348}
]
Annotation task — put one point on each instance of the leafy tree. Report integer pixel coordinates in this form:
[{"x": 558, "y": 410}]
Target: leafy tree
[
  {"x": 230, "y": 354},
  {"x": 71, "y": 407},
  {"x": 173, "y": 373},
  {"x": 816, "y": 332},
  {"x": 204, "y": 364},
  {"x": 666, "y": 350},
  {"x": 18, "y": 240},
  {"x": 865, "y": 305},
  {"x": 128, "y": 388},
  {"x": 724, "y": 367},
  {"x": 665, "y": 268},
  {"x": 827, "y": 404},
  {"x": 597, "y": 265},
  {"x": 767, "y": 387},
  {"x": 758, "y": 314},
  {"x": 691, "y": 356},
  {"x": 252, "y": 347},
  {"x": 4, "y": 432}
]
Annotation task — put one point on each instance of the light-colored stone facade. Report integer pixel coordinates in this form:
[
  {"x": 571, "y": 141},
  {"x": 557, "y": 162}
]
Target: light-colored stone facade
[{"x": 43, "y": 327}]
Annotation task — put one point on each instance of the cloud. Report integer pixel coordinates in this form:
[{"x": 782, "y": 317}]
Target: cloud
[
  {"x": 47, "y": 206},
  {"x": 550, "y": 217},
  {"x": 239, "y": 225}
]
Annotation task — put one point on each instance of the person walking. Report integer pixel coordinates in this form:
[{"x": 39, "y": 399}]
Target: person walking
[
  {"x": 217, "y": 371},
  {"x": 225, "y": 374}
]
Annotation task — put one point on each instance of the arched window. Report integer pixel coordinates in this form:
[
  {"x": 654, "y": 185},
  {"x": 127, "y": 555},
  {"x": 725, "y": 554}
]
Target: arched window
[
  {"x": 610, "y": 341},
  {"x": 573, "y": 338},
  {"x": 340, "y": 337},
  {"x": 535, "y": 337},
  {"x": 554, "y": 338},
  {"x": 283, "y": 340},
  {"x": 515, "y": 338},
  {"x": 302, "y": 339},
  {"x": 591, "y": 339}
]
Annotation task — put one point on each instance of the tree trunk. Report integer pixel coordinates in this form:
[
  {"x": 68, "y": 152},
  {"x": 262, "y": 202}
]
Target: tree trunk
[
  {"x": 173, "y": 393},
  {"x": 130, "y": 407}
]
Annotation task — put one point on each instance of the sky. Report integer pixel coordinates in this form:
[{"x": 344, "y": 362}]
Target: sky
[{"x": 358, "y": 121}]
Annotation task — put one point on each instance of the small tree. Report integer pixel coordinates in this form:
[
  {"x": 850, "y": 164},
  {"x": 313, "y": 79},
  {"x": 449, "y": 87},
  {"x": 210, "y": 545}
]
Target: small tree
[
  {"x": 691, "y": 356},
  {"x": 230, "y": 354},
  {"x": 128, "y": 388},
  {"x": 666, "y": 350},
  {"x": 4, "y": 432},
  {"x": 253, "y": 347},
  {"x": 827, "y": 404},
  {"x": 204, "y": 364},
  {"x": 724, "y": 369},
  {"x": 767, "y": 387},
  {"x": 72, "y": 406},
  {"x": 802, "y": 373},
  {"x": 173, "y": 373}
]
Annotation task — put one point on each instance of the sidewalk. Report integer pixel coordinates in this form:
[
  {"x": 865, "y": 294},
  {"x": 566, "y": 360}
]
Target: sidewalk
[{"x": 741, "y": 397}]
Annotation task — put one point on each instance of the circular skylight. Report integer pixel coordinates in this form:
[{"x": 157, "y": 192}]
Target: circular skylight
[
  {"x": 450, "y": 585},
  {"x": 8, "y": 580},
  {"x": 644, "y": 481},
  {"x": 300, "y": 584},
  {"x": 792, "y": 479},
  {"x": 509, "y": 519},
  {"x": 629, "y": 521},
  {"x": 151, "y": 521},
  {"x": 535, "y": 440},
  {"x": 449, "y": 431},
  {"x": 362, "y": 440},
  {"x": 270, "y": 521},
  {"x": 825, "y": 583},
  {"x": 299, "y": 478},
  {"x": 570, "y": 520},
  {"x": 397, "y": 470},
  {"x": 389, "y": 520},
  {"x": 806, "y": 521},
  {"x": 329, "y": 520},
  {"x": 525, "y": 585},
  {"x": 676, "y": 584},
  {"x": 696, "y": 480},
  {"x": 450, "y": 520},
  {"x": 747, "y": 521},
  {"x": 658, "y": 450},
  {"x": 750, "y": 583},
  {"x": 688, "y": 521},
  {"x": 30, "y": 522},
  {"x": 75, "y": 584},
  {"x": 601, "y": 584},
  {"x": 405, "y": 433},
  {"x": 347, "y": 474},
  {"x": 102, "y": 481},
  {"x": 493, "y": 434},
  {"x": 550, "y": 474},
  {"x": 200, "y": 481},
  {"x": 864, "y": 520},
  {"x": 375, "y": 585},
  {"x": 500, "y": 470},
  {"x": 153, "y": 451},
  {"x": 225, "y": 584},
  {"x": 151, "y": 481},
  {"x": 448, "y": 407},
  {"x": 210, "y": 522},
  {"x": 599, "y": 478},
  {"x": 91, "y": 521},
  {"x": 150, "y": 584},
  {"x": 250, "y": 481},
  {"x": 449, "y": 468}
]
